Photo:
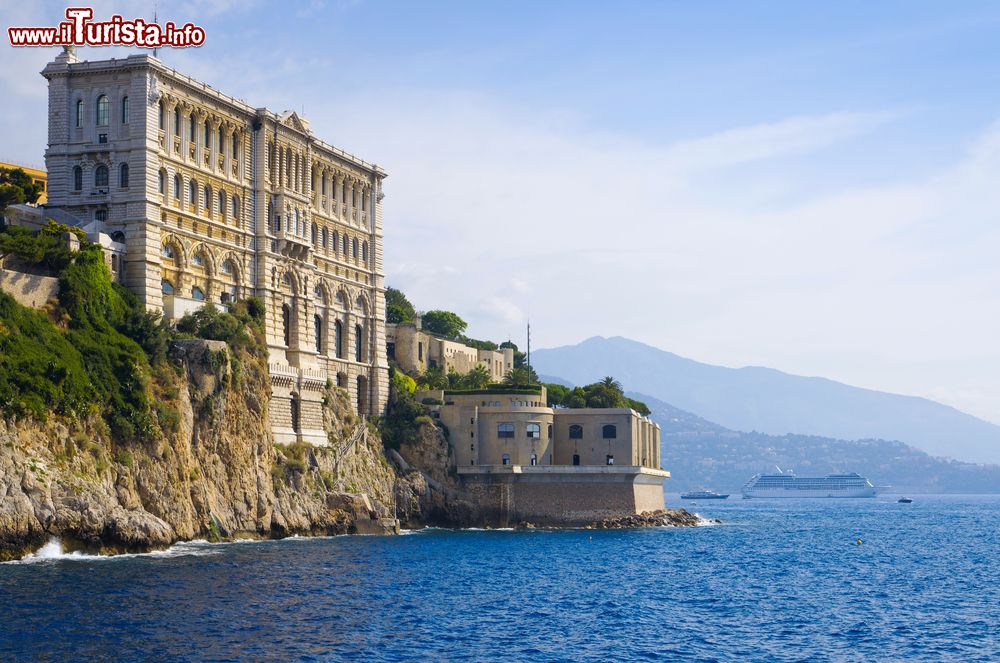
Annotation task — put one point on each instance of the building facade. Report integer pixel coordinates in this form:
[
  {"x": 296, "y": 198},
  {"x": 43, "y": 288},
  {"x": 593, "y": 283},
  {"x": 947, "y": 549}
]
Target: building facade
[
  {"x": 523, "y": 461},
  {"x": 415, "y": 350},
  {"x": 214, "y": 201}
]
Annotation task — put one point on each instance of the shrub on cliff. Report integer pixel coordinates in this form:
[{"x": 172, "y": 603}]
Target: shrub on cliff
[
  {"x": 402, "y": 414},
  {"x": 40, "y": 370},
  {"x": 99, "y": 311}
]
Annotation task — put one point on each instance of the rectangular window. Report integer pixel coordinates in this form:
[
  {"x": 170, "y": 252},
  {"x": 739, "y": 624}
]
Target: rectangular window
[{"x": 534, "y": 431}]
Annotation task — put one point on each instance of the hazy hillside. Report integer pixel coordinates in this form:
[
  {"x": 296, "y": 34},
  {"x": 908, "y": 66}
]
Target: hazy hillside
[
  {"x": 701, "y": 454},
  {"x": 763, "y": 399}
]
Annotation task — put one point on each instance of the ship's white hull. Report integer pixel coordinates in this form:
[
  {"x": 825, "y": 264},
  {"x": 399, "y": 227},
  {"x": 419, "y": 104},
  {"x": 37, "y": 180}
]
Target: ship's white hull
[{"x": 791, "y": 492}]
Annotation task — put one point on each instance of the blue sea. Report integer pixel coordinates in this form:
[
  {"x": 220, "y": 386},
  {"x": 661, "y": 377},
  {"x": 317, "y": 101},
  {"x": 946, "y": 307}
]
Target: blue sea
[{"x": 777, "y": 581}]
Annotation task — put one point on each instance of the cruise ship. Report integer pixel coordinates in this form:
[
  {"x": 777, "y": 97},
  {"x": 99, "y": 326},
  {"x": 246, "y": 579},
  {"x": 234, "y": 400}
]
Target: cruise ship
[{"x": 786, "y": 484}]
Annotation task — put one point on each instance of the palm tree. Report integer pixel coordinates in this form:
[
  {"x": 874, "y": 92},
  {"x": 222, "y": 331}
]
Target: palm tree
[
  {"x": 478, "y": 377},
  {"x": 612, "y": 384},
  {"x": 517, "y": 377}
]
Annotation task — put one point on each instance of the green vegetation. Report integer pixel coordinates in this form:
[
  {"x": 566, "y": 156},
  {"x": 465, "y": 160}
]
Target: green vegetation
[
  {"x": 443, "y": 323},
  {"x": 16, "y": 188},
  {"x": 46, "y": 249},
  {"x": 404, "y": 416},
  {"x": 40, "y": 370},
  {"x": 101, "y": 352},
  {"x": 235, "y": 326},
  {"x": 398, "y": 308},
  {"x": 606, "y": 393}
]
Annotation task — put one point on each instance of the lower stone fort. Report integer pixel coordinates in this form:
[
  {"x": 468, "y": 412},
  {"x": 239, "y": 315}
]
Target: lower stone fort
[{"x": 198, "y": 197}]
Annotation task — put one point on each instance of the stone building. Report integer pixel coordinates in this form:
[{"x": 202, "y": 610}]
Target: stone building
[
  {"x": 215, "y": 200},
  {"x": 416, "y": 350},
  {"x": 523, "y": 460}
]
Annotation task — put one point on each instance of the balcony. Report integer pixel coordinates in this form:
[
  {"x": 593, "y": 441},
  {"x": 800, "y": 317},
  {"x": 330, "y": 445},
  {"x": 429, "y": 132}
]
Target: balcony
[{"x": 291, "y": 245}]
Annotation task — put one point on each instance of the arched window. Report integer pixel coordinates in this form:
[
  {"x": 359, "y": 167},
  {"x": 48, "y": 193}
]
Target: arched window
[
  {"x": 286, "y": 324},
  {"x": 167, "y": 287},
  {"x": 295, "y": 412},
  {"x": 338, "y": 341},
  {"x": 79, "y": 113},
  {"x": 125, "y": 110},
  {"x": 102, "y": 111},
  {"x": 344, "y": 245},
  {"x": 314, "y": 234},
  {"x": 177, "y": 187},
  {"x": 198, "y": 260},
  {"x": 177, "y": 121},
  {"x": 364, "y": 252},
  {"x": 236, "y": 209},
  {"x": 576, "y": 432},
  {"x": 118, "y": 236},
  {"x": 208, "y": 200},
  {"x": 354, "y": 245},
  {"x": 505, "y": 459},
  {"x": 197, "y": 294},
  {"x": 323, "y": 239},
  {"x": 609, "y": 432},
  {"x": 357, "y": 342},
  {"x": 193, "y": 194},
  {"x": 333, "y": 240},
  {"x": 167, "y": 252},
  {"x": 77, "y": 178},
  {"x": 123, "y": 176},
  {"x": 318, "y": 329},
  {"x": 227, "y": 267},
  {"x": 222, "y": 203},
  {"x": 505, "y": 431},
  {"x": 101, "y": 176},
  {"x": 533, "y": 431},
  {"x": 162, "y": 182}
]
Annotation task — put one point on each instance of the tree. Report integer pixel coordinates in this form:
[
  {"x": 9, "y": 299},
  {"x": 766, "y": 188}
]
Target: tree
[
  {"x": 612, "y": 384},
  {"x": 398, "y": 308},
  {"x": 444, "y": 323},
  {"x": 557, "y": 394},
  {"x": 517, "y": 377},
  {"x": 478, "y": 377},
  {"x": 16, "y": 187},
  {"x": 433, "y": 378}
]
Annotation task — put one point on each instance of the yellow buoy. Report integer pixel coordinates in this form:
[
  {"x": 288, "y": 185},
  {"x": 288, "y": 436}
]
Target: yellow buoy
[{"x": 859, "y": 542}]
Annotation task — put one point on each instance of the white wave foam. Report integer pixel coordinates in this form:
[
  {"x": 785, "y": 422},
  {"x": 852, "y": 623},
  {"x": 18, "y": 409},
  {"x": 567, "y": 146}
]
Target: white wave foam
[{"x": 53, "y": 551}]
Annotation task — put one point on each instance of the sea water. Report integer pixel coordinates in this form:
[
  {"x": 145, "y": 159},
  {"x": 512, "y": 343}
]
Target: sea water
[{"x": 780, "y": 580}]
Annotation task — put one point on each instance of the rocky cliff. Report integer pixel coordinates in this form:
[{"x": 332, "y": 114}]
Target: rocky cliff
[{"x": 215, "y": 471}]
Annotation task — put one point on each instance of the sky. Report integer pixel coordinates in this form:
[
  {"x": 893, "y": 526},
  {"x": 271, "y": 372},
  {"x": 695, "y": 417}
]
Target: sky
[{"x": 810, "y": 188}]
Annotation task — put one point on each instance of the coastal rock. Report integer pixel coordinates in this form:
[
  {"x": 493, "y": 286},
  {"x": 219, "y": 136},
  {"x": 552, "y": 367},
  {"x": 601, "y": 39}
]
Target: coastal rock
[
  {"x": 215, "y": 471},
  {"x": 662, "y": 518}
]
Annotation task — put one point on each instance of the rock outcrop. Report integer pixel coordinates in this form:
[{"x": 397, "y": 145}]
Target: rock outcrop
[{"x": 215, "y": 472}]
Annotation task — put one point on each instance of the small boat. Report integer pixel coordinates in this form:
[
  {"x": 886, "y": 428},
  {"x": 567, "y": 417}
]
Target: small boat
[
  {"x": 703, "y": 495},
  {"x": 905, "y": 500}
]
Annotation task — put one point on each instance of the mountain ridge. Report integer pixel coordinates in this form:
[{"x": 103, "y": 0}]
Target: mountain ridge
[{"x": 757, "y": 398}]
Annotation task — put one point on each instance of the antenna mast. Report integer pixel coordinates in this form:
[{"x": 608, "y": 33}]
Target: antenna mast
[
  {"x": 155, "y": 20},
  {"x": 529, "y": 349}
]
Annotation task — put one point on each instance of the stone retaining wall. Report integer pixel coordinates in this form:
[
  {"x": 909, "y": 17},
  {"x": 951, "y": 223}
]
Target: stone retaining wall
[
  {"x": 29, "y": 290},
  {"x": 562, "y": 495}
]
